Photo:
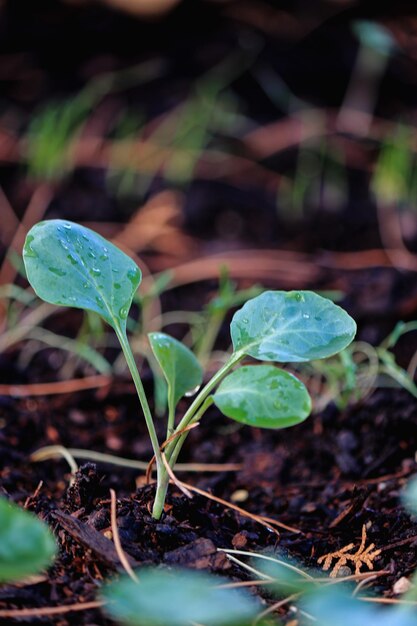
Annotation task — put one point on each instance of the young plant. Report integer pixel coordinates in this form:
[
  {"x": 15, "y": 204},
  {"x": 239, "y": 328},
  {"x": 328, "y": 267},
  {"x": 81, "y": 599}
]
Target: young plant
[
  {"x": 26, "y": 544},
  {"x": 70, "y": 265}
]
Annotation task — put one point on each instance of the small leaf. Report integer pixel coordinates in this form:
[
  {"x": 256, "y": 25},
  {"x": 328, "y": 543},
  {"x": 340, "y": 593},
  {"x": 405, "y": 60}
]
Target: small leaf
[
  {"x": 177, "y": 598},
  {"x": 291, "y": 326},
  {"x": 263, "y": 396},
  {"x": 70, "y": 265},
  {"x": 26, "y": 544},
  {"x": 180, "y": 367}
]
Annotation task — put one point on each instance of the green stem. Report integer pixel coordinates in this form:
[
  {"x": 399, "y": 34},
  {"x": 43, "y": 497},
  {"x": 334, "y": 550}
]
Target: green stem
[
  {"x": 171, "y": 411},
  {"x": 158, "y": 505},
  {"x": 180, "y": 441},
  {"x": 161, "y": 492},
  {"x": 142, "y": 397},
  {"x": 201, "y": 397}
]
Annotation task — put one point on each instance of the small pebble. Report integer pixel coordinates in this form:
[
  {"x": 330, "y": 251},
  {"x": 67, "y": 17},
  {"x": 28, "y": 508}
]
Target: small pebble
[
  {"x": 402, "y": 585},
  {"x": 240, "y": 495},
  {"x": 344, "y": 571}
]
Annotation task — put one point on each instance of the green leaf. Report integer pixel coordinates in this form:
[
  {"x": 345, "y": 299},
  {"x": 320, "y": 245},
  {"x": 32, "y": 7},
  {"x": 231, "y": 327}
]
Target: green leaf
[
  {"x": 409, "y": 496},
  {"x": 291, "y": 326},
  {"x": 26, "y": 544},
  {"x": 178, "y": 598},
  {"x": 263, "y": 396},
  {"x": 180, "y": 367},
  {"x": 70, "y": 265}
]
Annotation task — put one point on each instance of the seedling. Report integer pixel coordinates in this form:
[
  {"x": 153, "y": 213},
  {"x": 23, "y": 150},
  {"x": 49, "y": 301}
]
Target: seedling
[
  {"x": 73, "y": 266},
  {"x": 177, "y": 598},
  {"x": 26, "y": 544}
]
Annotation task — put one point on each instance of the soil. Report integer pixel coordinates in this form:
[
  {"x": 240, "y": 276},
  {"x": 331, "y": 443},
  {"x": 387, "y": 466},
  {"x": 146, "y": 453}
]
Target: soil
[{"x": 324, "y": 479}]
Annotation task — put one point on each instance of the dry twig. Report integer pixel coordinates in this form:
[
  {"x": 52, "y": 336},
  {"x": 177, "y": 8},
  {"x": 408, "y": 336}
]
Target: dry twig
[{"x": 362, "y": 556}]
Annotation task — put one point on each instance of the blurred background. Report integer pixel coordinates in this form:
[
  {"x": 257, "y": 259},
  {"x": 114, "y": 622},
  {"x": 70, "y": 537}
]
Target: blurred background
[{"x": 247, "y": 142}]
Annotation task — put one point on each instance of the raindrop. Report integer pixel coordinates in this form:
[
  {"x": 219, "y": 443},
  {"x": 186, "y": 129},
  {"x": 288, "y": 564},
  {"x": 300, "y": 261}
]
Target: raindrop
[
  {"x": 57, "y": 271},
  {"x": 133, "y": 275},
  {"x": 245, "y": 320},
  {"x": 99, "y": 302},
  {"x": 192, "y": 392},
  {"x": 86, "y": 285},
  {"x": 123, "y": 312},
  {"x": 306, "y": 316},
  {"x": 29, "y": 251},
  {"x": 296, "y": 295},
  {"x": 72, "y": 259},
  {"x": 95, "y": 271},
  {"x": 117, "y": 285},
  {"x": 67, "y": 226}
]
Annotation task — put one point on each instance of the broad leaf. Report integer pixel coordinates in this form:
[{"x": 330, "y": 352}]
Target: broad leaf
[
  {"x": 180, "y": 367},
  {"x": 288, "y": 326},
  {"x": 263, "y": 396},
  {"x": 26, "y": 544},
  {"x": 330, "y": 606},
  {"x": 70, "y": 265},
  {"x": 178, "y": 598},
  {"x": 409, "y": 496}
]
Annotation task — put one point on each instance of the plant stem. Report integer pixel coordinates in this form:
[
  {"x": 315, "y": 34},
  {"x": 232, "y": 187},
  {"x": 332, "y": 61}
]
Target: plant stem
[
  {"x": 201, "y": 397},
  {"x": 158, "y": 505},
  {"x": 142, "y": 398},
  {"x": 171, "y": 411},
  {"x": 180, "y": 441}
]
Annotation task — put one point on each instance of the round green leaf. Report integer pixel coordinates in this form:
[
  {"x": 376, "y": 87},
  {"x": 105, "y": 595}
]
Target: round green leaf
[
  {"x": 263, "y": 396},
  {"x": 180, "y": 367},
  {"x": 70, "y": 265},
  {"x": 291, "y": 326},
  {"x": 177, "y": 598},
  {"x": 26, "y": 544}
]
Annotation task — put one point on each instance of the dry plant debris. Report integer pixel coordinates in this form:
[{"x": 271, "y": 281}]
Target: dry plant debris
[{"x": 362, "y": 556}]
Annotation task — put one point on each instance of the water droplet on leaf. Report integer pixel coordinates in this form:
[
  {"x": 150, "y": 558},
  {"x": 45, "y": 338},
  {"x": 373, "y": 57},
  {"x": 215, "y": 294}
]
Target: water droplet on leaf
[
  {"x": 72, "y": 259},
  {"x": 57, "y": 271},
  {"x": 133, "y": 275},
  {"x": 123, "y": 312},
  {"x": 192, "y": 392}
]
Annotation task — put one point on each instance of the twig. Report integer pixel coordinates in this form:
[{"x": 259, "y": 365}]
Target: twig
[
  {"x": 174, "y": 479},
  {"x": 264, "y": 521},
  {"x": 116, "y": 538},
  {"x": 49, "y": 452},
  {"x": 55, "y": 388},
  {"x": 49, "y": 610}
]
